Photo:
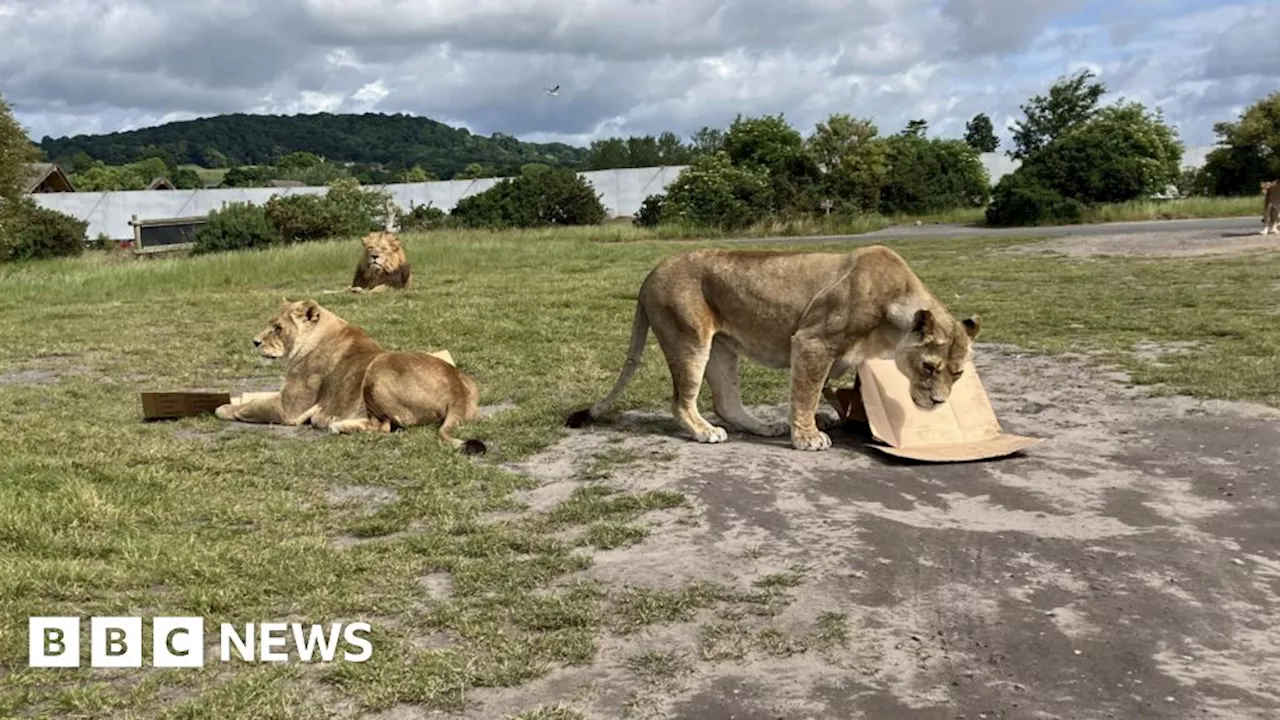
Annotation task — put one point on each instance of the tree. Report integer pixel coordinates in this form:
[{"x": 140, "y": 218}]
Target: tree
[
  {"x": 714, "y": 192},
  {"x": 1248, "y": 150},
  {"x": 671, "y": 151},
  {"x": 916, "y": 128},
  {"x": 643, "y": 151},
  {"x": 706, "y": 141},
  {"x": 607, "y": 154},
  {"x": 928, "y": 175},
  {"x": 769, "y": 143},
  {"x": 16, "y": 151},
  {"x": 852, "y": 159},
  {"x": 1123, "y": 153},
  {"x": 1071, "y": 101},
  {"x": 980, "y": 134}
]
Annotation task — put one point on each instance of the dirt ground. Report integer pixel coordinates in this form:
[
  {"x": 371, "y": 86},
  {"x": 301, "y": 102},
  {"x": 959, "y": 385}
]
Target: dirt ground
[
  {"x": 1126, "y": 567},
  {"x": 1170, "y": 243}
]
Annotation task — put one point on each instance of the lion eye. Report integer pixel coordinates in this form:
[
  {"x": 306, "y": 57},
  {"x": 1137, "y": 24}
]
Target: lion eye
[{"x": 930, "y": 369}]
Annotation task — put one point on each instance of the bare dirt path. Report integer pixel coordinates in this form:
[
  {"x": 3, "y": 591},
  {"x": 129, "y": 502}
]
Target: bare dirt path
[{"x": 1127, "y": 567}]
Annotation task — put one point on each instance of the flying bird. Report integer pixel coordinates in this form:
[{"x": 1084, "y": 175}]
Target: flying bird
[{"x": 553, "y": 91}]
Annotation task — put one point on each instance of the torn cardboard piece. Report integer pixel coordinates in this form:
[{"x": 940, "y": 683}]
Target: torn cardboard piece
[
  {"x": 962, "y": 429},
  {"x": 171, "y": 405}
]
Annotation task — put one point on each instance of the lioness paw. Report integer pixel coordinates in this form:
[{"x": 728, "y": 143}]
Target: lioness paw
[
  {"x": 816, "y": 440},
  {"x": 712, "y": 434}
]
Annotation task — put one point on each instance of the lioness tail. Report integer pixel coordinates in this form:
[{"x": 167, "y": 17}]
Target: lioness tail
[{"x": 635, "y": 352}]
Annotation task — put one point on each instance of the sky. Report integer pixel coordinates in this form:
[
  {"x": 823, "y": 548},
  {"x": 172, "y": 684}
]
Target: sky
[{"x": 624, "y": 66}]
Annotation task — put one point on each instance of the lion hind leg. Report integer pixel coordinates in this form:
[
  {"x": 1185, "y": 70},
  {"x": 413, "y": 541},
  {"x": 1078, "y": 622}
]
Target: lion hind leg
[
  {"x": 687, "y": 357},
  {"x": 726, "y": 393}
]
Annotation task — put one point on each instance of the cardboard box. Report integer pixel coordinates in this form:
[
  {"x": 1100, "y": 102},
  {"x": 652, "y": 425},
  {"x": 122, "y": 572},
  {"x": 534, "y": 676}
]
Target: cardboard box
[
  {"x": 962, "y": 429},
  {"x": 171, "y": 405}
]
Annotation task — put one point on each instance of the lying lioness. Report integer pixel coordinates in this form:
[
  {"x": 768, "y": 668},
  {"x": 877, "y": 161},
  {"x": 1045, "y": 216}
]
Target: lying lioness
[
  {"x": 819, "y": 314},
  {"x": 340, "y": 378}
]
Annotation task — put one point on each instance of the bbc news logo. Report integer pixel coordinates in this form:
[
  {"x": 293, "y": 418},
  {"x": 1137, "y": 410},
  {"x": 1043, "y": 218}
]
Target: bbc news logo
[{"x": 178, "y": 642}]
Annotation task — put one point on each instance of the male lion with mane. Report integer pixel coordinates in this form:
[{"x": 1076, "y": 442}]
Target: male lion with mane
[
  {"x": 340, "y": 379},
  {"x": 819, "y": 314},
  {"x": 382, "y": 264},
  {"x": 1270, "y": 207}
]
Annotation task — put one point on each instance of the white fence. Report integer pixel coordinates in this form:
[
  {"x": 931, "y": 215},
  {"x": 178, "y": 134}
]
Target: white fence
[{"x": 622, "y": 191}]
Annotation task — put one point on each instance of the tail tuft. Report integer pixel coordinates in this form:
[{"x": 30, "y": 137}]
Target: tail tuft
[
  {"x": 474, "y": 447},
  {"x": 579, "y": 419}
]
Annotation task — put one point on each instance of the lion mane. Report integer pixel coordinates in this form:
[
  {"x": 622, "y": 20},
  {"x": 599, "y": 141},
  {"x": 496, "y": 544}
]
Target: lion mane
[{"x": 382, "y": 265}]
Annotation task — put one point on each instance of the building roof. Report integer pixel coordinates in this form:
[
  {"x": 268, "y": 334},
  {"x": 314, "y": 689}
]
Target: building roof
[
  {"x": 38, "y": 173},
  {"x": 161, "y": 183}
]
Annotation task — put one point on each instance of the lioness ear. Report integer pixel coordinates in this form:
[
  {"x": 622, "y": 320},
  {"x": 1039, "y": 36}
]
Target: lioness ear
[
  {"x": 922, "y": 323},
  {"x": 972, "y": 326},
  {"x": 311, "y": 310}
]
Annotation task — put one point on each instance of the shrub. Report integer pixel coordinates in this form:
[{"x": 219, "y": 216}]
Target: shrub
[
  {"x": 299, "y": 218},
  {"x": 712, "y": 192},
  {"x": 357, "y": 210},
  {"x": 422, "y": 217},
  {"x": 650, "y": 212},
  {"x": 1019, "y": 199},
  {"x": 1123, "y": 153},
  {"x": 929, "y": 175},
  {"x": 30, "y": 232},
  {"x": 237, "y": 226},
  {"x": 540, "y": 197}
]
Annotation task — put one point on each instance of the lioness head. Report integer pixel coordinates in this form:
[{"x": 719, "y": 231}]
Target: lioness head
[
  {"x": 383, "y": 250},
  {"x": 288, "y": 330},
  {"x": 932, "y": 355}
]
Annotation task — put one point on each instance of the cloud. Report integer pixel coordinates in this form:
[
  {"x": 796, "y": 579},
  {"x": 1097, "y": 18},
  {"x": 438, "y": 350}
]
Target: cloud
[{"x": 624, "y": 66}]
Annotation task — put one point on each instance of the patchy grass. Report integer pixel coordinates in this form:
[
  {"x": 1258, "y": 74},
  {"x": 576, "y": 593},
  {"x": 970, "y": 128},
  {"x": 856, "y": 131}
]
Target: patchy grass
[
  {"x": 101, "y": 514},
  {"x": 211, "y": 177}
]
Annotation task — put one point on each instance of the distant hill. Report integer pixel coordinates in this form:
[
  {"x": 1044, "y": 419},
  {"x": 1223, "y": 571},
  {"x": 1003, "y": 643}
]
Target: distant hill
[{"x": 241, "y": 139}]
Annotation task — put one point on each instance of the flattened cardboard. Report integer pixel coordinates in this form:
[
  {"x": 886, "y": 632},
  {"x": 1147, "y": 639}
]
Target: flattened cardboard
[
  {"x": 180, "y": 404},
  {"x": 962, "y": 429},
  {"x": 172, "y": 405}
]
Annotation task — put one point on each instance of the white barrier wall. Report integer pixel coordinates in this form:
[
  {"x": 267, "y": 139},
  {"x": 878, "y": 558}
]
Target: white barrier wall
[{"x": 622, "y": 191}]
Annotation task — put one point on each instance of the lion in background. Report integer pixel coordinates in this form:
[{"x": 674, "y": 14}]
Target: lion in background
[
  {"x": 819, "y": 314},
  {"x": 382, "y": 265},
  {"x": 340, "y": 379},
  {"x": 1270, "y": 207}
]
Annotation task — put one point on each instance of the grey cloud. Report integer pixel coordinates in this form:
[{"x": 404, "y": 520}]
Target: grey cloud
[
  {"x": 1250, "y": 47},
  {"x": 1002, "y": 26}
]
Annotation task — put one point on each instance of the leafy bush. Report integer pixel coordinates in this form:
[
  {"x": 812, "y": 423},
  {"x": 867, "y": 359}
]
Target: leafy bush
[
  {"x": 299, "y": 218},
  {"x": 1019, "y": 199},
  {"x": 540, "y": 197},
  {"x": 30, "y": 232},
  {"x": 422, "y": 217},
  {"x": 357, "y": 210},
  {"x": 713, "y": 192},
  {"x": 929, "y": 175},
  {"x": 238, "y": 226},
  {"x": 1122, "y": 153},
  {"x": 1248, "y": 152},
  {"x": 650, "y": 212}
]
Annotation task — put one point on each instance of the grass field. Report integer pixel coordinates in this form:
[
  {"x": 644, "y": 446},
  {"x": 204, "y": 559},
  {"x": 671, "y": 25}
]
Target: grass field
[{"x": 101, "y": 514}]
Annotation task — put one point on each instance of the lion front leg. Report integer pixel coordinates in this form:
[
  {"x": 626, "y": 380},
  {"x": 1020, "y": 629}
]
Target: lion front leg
[
  {"x": 810, "y": 363},
  {"x": 265, "y": 409}
]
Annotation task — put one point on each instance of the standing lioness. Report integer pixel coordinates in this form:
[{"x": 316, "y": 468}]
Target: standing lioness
[
  {"x": 820, "y": 314},
  {"x": 339, "y": 378}
]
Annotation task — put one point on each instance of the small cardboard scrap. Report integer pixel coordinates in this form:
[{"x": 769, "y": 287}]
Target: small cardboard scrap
[
  {"x": 180, "y": 404},
  {"x": 962, "y": 429},
  {"x": 171, "y": 405}
]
